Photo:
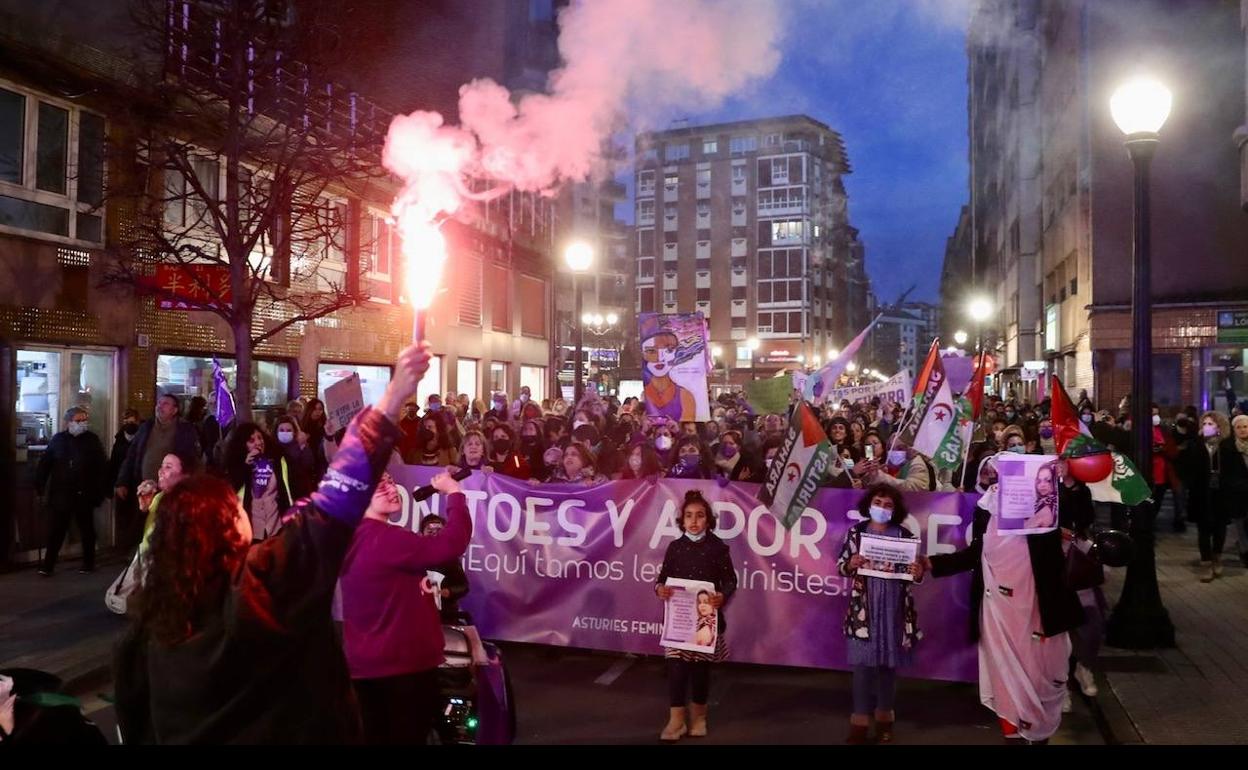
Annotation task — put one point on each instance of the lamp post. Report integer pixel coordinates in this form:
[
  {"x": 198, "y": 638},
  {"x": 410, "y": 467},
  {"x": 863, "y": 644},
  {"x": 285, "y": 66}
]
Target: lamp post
[
  {"x": 599, "y": 325},
  {"x": 717, "y": 358},
  {"x": 578, "y": 256},
  {"x": 753, "y": 344},
  {"x": 1139, "y": 620},
  {"x": 979, "y": 309}
]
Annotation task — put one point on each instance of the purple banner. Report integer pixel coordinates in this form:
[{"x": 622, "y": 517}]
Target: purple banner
[{"x": 575, "y": 566}]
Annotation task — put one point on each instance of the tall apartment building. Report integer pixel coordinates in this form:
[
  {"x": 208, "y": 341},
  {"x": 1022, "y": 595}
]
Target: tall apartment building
[
  {"x": 748, "y": 223},
  {"x": 1051, "y": 191}
]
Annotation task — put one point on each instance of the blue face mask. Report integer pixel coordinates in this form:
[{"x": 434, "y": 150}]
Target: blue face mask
[
  {"x": 689, "y": 461},
  {"x": 880, "y": 515},
  {"x": 696, "y": 538},
  {"x": 1018, "y": 450}
]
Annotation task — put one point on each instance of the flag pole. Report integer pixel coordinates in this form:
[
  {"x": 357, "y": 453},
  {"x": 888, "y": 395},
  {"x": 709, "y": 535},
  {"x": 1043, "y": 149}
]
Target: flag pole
[{"x": 966, "y": 451}]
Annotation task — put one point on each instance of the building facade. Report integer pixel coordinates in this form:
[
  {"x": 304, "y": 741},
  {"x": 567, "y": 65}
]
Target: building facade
[
  {"x": 1059, "y": 62},
  {"x": 65, "y": 339},
  {"x": 748, "y": 223}
]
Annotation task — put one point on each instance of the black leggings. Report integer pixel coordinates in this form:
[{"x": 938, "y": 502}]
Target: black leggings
[
  {"x": 1210, "y": 536},
  {"x": 398, "y": 710},
  {"x": 84, "y": 516},
  {"x": 679, "y": 676}
]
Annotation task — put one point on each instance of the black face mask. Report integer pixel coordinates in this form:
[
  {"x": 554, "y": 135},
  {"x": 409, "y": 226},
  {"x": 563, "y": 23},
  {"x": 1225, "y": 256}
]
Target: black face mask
[
  {"x": 528, "y": 441},
  {"x": 502, "y": 445},
  {"x": 424, "y": 436},
  {"x": 131, "y": 429}
]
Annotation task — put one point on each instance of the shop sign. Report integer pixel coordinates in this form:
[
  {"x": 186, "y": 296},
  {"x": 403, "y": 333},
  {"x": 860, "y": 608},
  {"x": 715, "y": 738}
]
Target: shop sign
[{"x": 1233, "y": 327}]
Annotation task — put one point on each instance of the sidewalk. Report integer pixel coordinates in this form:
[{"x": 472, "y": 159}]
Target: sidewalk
[
  {"x": 1196, "y": 693},
  {"x": 60, "y": 624}
]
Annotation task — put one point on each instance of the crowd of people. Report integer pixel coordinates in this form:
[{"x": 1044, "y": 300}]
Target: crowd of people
[{"x": 245, "y": 530}]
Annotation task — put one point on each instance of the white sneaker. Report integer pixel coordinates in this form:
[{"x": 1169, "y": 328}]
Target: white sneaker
[
  {"x": 1086, "y": 680},
  {"x": 1067, "y": 706}
]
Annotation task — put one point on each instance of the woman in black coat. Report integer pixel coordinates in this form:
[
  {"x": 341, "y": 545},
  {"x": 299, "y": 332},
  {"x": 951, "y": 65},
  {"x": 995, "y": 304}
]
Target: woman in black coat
[{"x": 1200, "y": 463}]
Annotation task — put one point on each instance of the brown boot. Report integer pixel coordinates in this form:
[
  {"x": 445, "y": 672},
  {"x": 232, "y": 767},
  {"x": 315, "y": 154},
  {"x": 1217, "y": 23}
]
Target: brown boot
[
  {"x": 676, "y": 726},
  {"x": 697, "y": 724},
  {"x": 884, "y": 726},
  {"x": 1207, "y": 574},
  {"x": 857, "y": 733}
]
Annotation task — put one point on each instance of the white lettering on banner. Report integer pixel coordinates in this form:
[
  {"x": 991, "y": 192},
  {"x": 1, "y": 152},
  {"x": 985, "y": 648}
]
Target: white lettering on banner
[
  {"x": 619, "y": 519},
  {"x": 491, "y": 520},
  {"x": 569, "y": 525},
  {"x": 427, "y": 507},
  {"x": 751, "y": 533},
  {"x": 934, "y": 522},
  {"x": 405, "y": 507},
  {"x": 809, "y": 542},
  {"x": 533, "y": 529},
  {"x": 722, "y": 530},
  {"x": 495, "y": 564},
  {"x": 666, "y": 526},
  {"x": 474, "y": 497}
]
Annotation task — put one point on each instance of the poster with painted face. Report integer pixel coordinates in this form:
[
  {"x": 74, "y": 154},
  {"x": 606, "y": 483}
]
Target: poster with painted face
[{"x": 674, "y": 352}]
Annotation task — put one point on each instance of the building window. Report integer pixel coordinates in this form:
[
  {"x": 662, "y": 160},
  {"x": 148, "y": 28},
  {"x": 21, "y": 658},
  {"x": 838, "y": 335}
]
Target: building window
[
  {"x": 534, "y": 377},
  {"x": 1074, "y": 286},
  {"x": 738, "y": 322},
  {"x": 466, "y": 376},
  {"x": 739, "y": 145},
  {"x": 187, "y": 376},
  {"x": 669, "y": 295},
  {"x": 669, "y": 211},
  {"x": 780, "y": 322},
  {"x": 645, "y": 299},
  {"x": 710, "y": 146},
  {"x": 738, "y": 292},
  {"x": 671, "y": 181},
  {"x": 704, "y": 177},
  {"x": 704, "y": 294},
  {"x": 531, "y": 297},
  {"x": 41, "y": 195},
  {"x": 645, "y": 243},
  {"x": 703, "y": 263},
  {"x": 645, "y": 211},
  {"x": 498, "y": 377},
  {"x": 780, "y": 276},
  {"x": 676, "y": 152},
  {"x": 772, "y": 140},
  {"x": 645, "y": 183},
  {"x": 704, "y": 208},
  {"x": 499, "y": 291},
  {"x": 645, "y": 267}
]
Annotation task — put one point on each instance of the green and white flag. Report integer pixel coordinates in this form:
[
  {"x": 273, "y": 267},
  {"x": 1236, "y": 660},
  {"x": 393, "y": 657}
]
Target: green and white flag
[
  {"x": 1110, "y": 475},
  {"x": 794, "y": 475},
  {"x": 937, "y": 431}
]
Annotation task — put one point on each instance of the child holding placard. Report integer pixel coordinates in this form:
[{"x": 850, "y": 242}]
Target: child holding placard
[
  {"x": 697, "y": 555},
  {"x": 881, "y": 621}
]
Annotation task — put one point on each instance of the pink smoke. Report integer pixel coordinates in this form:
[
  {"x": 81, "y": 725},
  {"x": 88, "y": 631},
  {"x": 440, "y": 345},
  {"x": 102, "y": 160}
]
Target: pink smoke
[{"x": 643, "y": 58}]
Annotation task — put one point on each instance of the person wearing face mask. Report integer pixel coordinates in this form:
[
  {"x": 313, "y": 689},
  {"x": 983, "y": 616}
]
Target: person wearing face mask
[
  {"x": 409, "y": 444},
  {"x": 556, "y": 430},
  {"x": 155, "y": 438},
  {"x": 663, "y": 443},
  {"x": 499, "y": 408},
  {"x": 733, "y": 463},
  {"x": 640, "y": 462},
  {"x": 1164, "y": 477},
  {"x": 294, "y": 447},
  {"x": 505, "y": 457},
  {"x": 1013, "y": 440},
  {"x": 881, "y": 625},
  {"x": 902, "y": 468},
  {"x": 434, "y": 444},
  {"x": 1048, "y": 445},
  {"x": 125, "y": 510},
  {"x": 522, "y": 401},
  {"x": 697, "y": 555},
  {"x": 1021, "y": 615},
  {"x": 690, "y": 460},
  {"x": 72, "y": 476},
  {"x": 454, "y": 584},
  {"x": 531, "y": 442}
]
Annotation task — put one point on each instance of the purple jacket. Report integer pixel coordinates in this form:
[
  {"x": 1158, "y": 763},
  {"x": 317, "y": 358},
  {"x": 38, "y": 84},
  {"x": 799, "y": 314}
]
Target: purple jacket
[
  {"x": 390, "y": 624},
  {"x": 265, "y": 665}
]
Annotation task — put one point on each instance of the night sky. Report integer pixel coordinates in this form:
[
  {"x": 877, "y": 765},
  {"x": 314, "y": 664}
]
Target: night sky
[{"x": 890, "y": 76}]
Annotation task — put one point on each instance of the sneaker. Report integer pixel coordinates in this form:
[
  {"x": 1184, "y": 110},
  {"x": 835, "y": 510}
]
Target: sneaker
[
  {"x": 1086, "y": 680},
  {"x": 1067, "y": 706},
  {"x": 85, "y": 571},
  {"x": 1206, "y": 574},
  {"x": 1217, "y": 569},
  {"x": 45, "y": 572}
]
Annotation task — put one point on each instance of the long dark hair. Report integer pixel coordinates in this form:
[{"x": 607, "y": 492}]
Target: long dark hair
[
  {"x": 314, "y": 428},
  {"x": 194, "y": 549},
  {"x": 236, "y": 451},
  {"x": 650, "y": 465}
]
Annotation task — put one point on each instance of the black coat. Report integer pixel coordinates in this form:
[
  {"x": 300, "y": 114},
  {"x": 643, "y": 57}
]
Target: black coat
[
  {"x": 1060, "y": 610},
  {"x": 456, "y": 583},
  {"x": 708, "y": 560},
  {"x": 1074, "y": 509},
  {"x": 121, "y": 447},
  {"x": 1232, "y": 497},
  {"x": 77, "y": 469},
  {"x": 185, "y": 443},
  {"x": 1196, "y": 468}
]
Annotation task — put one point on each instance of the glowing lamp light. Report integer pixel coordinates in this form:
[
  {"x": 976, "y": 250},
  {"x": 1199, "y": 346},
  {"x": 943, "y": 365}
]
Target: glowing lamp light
[
  {"x": 578, "y": 256},
  {"x": 960, "y": 337},
  {"x": 753, "y": 343},
  {"x": 979, "y": 309},
  {"x": 587, "y": 318},
  {"x": 851, "y": 367},
  {"x": 612, "y": 319},
  {"x": 1140, "y": 106},
  {"x": 833, "y": 353},
  {"x": 716, "y": 350}
]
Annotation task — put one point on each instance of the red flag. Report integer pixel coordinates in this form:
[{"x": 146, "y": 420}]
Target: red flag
[
  {"x": 975, "y": 391},
  {"x": 925, "y": 374}
]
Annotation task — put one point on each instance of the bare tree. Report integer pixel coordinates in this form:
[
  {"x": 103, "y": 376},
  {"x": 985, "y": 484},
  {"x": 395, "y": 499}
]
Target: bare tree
[{"x": 250, "y": 165}]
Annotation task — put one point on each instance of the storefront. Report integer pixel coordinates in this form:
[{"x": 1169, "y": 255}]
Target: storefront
[
  {"x": 49, "y": 379},
  {"x": 186, "y": 375}
]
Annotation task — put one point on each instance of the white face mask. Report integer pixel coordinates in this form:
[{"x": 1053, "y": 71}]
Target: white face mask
[
  {"x": 1209, "y": 431},
  {"x": 578, "y": 424},
  {"x": 896, "y": 457},
  {"x": 1156, "y": 420},
  {"x": 881, "y": 515},
  {"x": 848, "y": 463},
  {"x": 635, "y": 464},
  {"x": 663, "y": 443},
  {"x": 77, "y": 428},
  {"x": 695, "y": 538},
  {"x": 285, "y": 436},
  {"x": 1086, "y": 418}
]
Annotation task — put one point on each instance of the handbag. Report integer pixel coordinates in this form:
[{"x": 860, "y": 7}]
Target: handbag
[
  {"x": 1082, "y": 570},
  {"x": 118, "y": 593}
]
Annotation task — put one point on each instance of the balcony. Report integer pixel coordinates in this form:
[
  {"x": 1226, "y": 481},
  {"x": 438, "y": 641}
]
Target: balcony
[{"x": 738, "y": 247}]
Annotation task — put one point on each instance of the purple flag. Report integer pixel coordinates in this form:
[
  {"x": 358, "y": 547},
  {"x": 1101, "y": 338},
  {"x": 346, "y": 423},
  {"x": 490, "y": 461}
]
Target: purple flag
[
  {"x": 825, "y": 379},
  {"x": 225, "y": 399}
]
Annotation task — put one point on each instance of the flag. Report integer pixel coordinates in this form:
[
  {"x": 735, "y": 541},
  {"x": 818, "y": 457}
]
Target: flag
[
  {"x": 936, "y": 433},
  {"x": 970, "y": 408},
  {"x": 1122, "y": 482},
  {"x": 825, "y": 379},
  {"x": 925, "y": 387},
  {"x": 803, "y": 460},
  {"x": 224, "y": 398}
]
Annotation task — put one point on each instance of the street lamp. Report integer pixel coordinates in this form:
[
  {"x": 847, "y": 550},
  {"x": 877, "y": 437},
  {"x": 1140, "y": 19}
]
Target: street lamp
[
  {"x": 1139, "y": 620},
  {"x": 753, "y": 344},
  {"x": 578, "y": 256},
  {"x": 979, "y": 309},
  {"x": 833, "y": 353},
  {"x": 960, "y": 337}
]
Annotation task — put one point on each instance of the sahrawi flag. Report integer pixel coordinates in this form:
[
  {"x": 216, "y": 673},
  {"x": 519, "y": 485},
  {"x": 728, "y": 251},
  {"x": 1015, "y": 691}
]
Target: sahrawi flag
[
  {"x": 937, "y": 435},
  {"x": 793, "y": 476},
  {"x": 1123, "y": 482},
  {"x": 925, "y": 387}
]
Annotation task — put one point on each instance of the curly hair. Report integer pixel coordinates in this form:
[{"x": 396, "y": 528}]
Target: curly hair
[
  {"x": 194, "y": 549},
  {"x": 236, "y": 451},
  {"x": 694, "y": 497},
  {"x": 900, "y": 512}
]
